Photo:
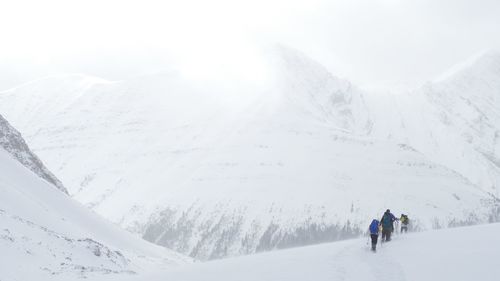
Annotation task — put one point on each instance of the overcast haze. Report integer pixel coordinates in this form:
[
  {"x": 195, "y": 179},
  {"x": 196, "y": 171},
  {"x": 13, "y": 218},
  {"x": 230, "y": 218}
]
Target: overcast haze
[{"x": 375, "y": 43}]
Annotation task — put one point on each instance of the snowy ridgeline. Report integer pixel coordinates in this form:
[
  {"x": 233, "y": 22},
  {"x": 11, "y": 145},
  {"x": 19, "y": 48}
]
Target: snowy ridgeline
[{"x": 216, "y": 170}]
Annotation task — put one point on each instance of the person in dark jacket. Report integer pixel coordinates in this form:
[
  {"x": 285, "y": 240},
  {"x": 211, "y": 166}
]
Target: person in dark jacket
[
  {"x": 374, "y": 229},
  {"x": 387, "y": 223}
]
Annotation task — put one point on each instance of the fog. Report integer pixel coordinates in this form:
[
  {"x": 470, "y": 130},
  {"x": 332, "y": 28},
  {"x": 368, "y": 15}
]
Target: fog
[{"x": 377, "y": 44}]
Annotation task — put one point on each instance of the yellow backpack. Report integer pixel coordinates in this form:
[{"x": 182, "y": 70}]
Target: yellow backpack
[{"x": 404, "y": 219}]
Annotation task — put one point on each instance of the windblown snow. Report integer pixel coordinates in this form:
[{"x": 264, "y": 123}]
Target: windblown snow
[{"x": 216, "y": 170}]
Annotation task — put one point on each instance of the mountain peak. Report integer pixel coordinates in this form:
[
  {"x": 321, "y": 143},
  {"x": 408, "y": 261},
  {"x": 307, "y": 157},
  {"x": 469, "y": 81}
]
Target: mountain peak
[{"x": 309, "y": 85}]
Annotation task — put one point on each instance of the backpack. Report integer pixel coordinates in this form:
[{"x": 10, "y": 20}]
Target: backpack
[
  {"x": 374, "y": 227},
  {"x": 387, "y": 221},
  {"x": 404, "y": 219}
]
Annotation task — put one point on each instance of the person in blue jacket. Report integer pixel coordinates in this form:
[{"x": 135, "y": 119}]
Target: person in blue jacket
[
  {"x": 387, "y": 223},
  {"x": 374, "y": 229}
]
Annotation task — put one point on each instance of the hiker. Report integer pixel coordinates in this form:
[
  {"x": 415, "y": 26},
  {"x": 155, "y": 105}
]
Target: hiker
[
  {"x": 404, "y": 223},
  {"x": 374, "y": 229},
  {"x": 387, "y": 223}
]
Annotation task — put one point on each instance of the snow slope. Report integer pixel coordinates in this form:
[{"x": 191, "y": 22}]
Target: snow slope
[
  {"x": 221, "y": 169},
  {"x": 465, "y": 253},
  {"x": 47, "y": 235}
]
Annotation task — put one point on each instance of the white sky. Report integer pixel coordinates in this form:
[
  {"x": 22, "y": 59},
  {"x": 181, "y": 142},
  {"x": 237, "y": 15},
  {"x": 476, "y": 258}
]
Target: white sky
[{"x": 375, "y": 43}]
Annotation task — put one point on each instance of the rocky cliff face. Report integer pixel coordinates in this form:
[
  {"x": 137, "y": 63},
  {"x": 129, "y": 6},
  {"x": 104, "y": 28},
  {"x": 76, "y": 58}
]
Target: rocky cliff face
[{"x": 12, "y": 141}]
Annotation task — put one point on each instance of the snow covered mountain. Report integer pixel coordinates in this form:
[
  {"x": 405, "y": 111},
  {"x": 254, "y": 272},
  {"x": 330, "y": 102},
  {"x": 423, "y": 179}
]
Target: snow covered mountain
[
  {"x": 454, "y": 121},
  {"x": 469, "y": 101},
  {"x": 47, "y": 235},
  {"x": 216, "y": 170}
]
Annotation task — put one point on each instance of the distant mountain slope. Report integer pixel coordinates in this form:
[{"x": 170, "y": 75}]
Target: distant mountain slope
[
  {"x": 46, "y": 235},
  {"x": 454, "y": 121},
  {"x": 11, "y": 141},
  {"x": 220, "y": 170},
  {"x": 469, "y": 101}
]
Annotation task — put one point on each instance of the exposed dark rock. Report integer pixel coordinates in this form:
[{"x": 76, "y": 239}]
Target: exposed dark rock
[{"x": 12, "y": 141}]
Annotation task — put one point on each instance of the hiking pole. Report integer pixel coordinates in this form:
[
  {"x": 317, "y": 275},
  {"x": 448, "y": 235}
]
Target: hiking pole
[
  {"x": 368, "y": 236},
  {"x": 379, "y": 236}
]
